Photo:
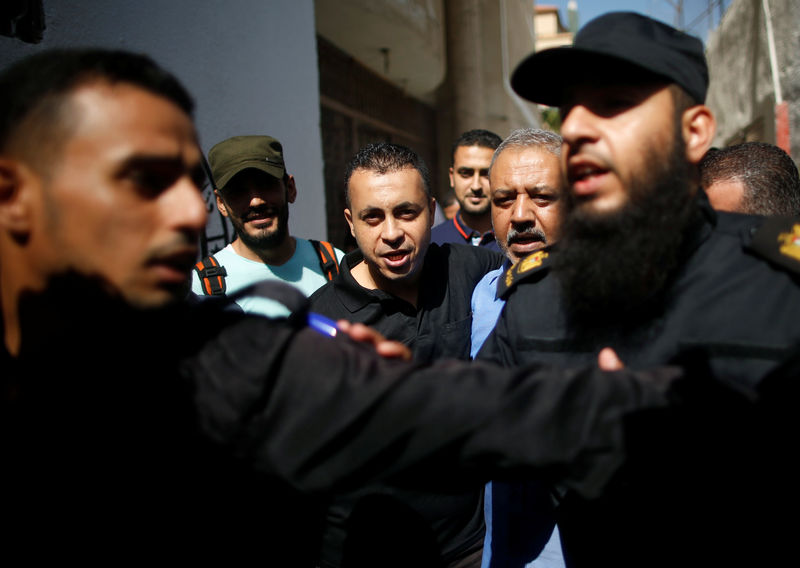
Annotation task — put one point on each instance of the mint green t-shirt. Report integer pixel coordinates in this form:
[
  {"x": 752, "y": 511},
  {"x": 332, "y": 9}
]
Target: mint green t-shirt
[{"x": 301, "y": 271}]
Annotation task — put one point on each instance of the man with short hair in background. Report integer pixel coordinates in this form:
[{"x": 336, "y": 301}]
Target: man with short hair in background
[
  {"x": 469, "y": 180},
  {"x": 753, "y": 177},
  {"x": 398, "y": 281}
]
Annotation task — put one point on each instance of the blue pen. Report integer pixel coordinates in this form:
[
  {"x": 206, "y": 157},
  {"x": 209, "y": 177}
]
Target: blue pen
[{"x": 325, "y": 326}]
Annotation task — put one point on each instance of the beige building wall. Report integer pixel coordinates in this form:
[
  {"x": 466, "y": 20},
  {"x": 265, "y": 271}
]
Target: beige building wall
[
  {"x": 402, "y": 41},
  {"x": 550, "y": 32},
  {"x": 485, "y": 41},
  {"x": 741, "y": 92},
  {"x": 455, "y": 55}
]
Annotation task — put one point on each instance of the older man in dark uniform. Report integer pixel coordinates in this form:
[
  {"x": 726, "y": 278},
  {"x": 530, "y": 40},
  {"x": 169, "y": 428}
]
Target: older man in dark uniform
[{"x": 646, "y": 267}]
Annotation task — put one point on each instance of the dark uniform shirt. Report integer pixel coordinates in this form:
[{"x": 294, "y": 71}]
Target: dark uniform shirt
[
  {"x": 439, "y": 327},
  {"x": 190, "y": 433},
  {"x": 441, "y": 324},
  {"x": 728, "y": 308},
  {"x": 455, "y": 231},
  {"x": 725, "y": 299}
]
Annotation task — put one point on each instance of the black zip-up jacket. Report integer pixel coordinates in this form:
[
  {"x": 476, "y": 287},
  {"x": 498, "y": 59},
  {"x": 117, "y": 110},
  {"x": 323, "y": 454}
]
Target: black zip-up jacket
[{"x": 196, "y": 433}]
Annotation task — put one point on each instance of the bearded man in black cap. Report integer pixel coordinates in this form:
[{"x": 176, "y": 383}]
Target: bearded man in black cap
[{"x": 646, "y": 267}]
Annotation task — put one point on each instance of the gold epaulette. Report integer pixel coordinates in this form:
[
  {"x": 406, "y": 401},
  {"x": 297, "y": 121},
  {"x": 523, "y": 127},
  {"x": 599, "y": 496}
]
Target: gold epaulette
[
  {"x": 534, "y": 263},
  {"x": 778, "y": 240}
]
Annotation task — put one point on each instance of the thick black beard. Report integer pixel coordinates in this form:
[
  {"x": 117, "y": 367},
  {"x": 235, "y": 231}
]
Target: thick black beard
[
  {"x": 613, "y": 268},
  {"x": 266, "y": 242}
]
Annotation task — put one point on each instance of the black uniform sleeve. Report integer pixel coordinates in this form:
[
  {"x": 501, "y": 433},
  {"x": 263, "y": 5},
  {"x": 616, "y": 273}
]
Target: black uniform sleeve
[{"x": 329, "y": 414}]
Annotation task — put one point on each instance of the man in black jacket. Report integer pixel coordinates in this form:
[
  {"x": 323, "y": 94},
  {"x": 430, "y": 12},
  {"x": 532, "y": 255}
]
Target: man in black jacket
[
  {"x": 646, "y": 267},
  {"x": 397, "y": 281},
  {"x": 418, "y": 293}
]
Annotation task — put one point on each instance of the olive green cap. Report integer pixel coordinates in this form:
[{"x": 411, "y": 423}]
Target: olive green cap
[{"x": 233, "y": 155}]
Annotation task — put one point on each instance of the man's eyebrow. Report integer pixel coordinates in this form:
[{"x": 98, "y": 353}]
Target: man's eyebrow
[
  {"x": 368, "y": 209},
  {"x": 154, "y": 160},
  {"x": 406, "y": 205},
  {"x": 544, "y": 187},
  {"x": 503, "y": 190},
  {"x": 173, "y": 164},
  {"x": 537, "y": 188},
  {"x": 465, "y": 169}
]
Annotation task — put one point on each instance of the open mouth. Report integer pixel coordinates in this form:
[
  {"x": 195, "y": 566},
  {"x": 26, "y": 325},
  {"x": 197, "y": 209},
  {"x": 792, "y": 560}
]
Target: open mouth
[
  {"x": 525, "y": 240},
  {"x": 585, "y": 178},
  {"x": 396, "y": 259}
]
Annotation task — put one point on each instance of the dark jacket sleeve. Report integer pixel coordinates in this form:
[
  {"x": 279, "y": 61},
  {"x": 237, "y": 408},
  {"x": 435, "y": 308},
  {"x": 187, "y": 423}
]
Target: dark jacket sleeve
[{"x": 326, "y": 413}]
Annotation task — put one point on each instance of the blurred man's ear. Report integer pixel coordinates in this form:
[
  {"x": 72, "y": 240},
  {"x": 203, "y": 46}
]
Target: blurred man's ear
[
  {"x": 17, "y": 184},
  {"x": 698, "y": 127}
]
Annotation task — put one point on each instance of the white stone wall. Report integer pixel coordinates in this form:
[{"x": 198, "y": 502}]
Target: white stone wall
[{"x": 250, "y": 64}]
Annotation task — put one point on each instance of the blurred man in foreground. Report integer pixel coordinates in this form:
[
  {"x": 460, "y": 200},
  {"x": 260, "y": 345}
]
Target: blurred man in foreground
[{"x": 646, "y": 267}]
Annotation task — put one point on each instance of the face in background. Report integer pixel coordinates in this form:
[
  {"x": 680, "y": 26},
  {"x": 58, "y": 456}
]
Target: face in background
[
  {"x": 726, "y": 195},
  {"x": 526, "y": 200},
  {"x": 390, "y": 217},
  {"x": 258, "y": 206},
  {"x": 122, "y": 199},
  {"x": 469, "y": 178}
]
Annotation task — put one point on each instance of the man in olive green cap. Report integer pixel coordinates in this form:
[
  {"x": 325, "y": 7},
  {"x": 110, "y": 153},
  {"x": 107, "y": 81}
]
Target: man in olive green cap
[{"x": 254, "y": 191}]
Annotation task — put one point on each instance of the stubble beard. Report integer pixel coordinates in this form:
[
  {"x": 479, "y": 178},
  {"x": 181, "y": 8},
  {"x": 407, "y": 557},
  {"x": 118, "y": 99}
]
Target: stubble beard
[
  {"x": 482, "y": 210},
  {"x": 613, "y": 267},
  {"x": 475, "y": 210},
  {"x": 265, "y": 241}
]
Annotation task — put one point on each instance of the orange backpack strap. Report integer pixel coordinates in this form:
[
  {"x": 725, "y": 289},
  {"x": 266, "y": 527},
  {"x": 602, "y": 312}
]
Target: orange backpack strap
[
  {"x": 327, "y": 258},
  {"x": 212, "y": 276}
]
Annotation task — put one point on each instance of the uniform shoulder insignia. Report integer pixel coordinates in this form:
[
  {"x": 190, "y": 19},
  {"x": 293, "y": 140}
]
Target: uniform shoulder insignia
[
  {"x": 534, "y": 263},
  {"x": 778, "y": 240}
]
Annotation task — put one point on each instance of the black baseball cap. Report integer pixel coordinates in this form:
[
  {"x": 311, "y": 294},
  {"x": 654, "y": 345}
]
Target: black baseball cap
[{"x": 621, "y": 44}]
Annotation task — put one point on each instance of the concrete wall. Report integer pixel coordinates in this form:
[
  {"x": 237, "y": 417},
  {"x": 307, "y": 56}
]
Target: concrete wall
[
  {"x": 485, "y": 41},
  {"x": 251, "y": 65},
  {"x": 741, "y": 92},
  {"x": 514, "y": 37},
  {"x": 400, "y": 40}
]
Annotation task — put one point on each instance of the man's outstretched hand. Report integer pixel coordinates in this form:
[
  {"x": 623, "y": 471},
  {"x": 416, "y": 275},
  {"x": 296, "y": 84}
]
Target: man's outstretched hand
[
  {"x": 608, "y": 360},
  {"x": 365, "y": 334}
]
